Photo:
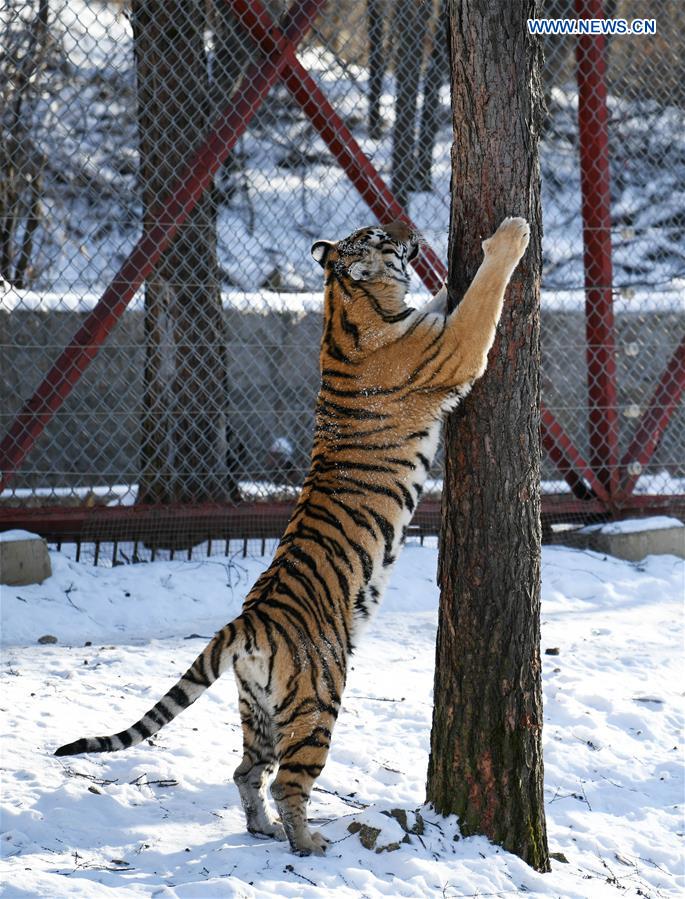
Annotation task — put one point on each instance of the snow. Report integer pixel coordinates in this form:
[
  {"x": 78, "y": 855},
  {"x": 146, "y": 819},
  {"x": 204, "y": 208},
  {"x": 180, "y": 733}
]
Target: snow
[
  {"x": 18, "y": 534},
  {"x": 636, "y": 525},
  {"x": 165, "y": 821},
  {"x": 661, "y": 481},
  {"x": 263, "y": 302},
  {"x": 84, "y": 121}
]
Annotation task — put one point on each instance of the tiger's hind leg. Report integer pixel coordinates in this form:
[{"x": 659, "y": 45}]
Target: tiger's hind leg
[
  {"x": 301, "y": 756},
  {"x": 252, "y": 774}
]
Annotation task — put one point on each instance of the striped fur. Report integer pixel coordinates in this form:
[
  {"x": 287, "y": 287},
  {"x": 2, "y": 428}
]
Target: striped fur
[{"x": 388, "y": 375}]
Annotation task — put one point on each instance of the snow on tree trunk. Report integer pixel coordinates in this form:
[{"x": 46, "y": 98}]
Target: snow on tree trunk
[{"x": 486, "y": 752}]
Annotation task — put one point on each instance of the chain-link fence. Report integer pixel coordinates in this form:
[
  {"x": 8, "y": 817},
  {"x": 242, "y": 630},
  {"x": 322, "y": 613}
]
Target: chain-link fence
[{"x": 231, "y": 135}]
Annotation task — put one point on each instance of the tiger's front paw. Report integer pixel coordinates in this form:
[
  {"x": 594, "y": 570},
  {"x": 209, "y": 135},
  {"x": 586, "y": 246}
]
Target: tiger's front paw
[{"x": 509, "y": 242}]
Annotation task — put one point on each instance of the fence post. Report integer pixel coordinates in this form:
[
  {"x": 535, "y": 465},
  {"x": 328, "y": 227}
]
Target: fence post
[{"x": 595, "y": 184}]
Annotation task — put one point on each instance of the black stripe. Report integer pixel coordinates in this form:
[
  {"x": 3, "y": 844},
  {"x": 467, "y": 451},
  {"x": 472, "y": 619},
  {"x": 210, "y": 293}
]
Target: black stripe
[
  {"x": 304, "y": 557},
  {"x": 301, "y": 768},
  {"x": 124, "y": 736},
  {"x": 324, "y": 618},
  {"x": 332, "y": 619},
  {"x": 315, "y": 535},
  {"x": 326, "y": 407},
  {"x": 366, "y": 487},
  {"x": 159, "y": 720},
  {"x": 178, "y": 695},
  {"x": 349, "y": 327},
  {"x": 164, "y": 711},
  {"x": 281, "y": 630},
  {"x": 368, "y": 390},
  {"x": 385, "y": 527},
  {"x": 215, "y": 657},
  {"x": 336, "y": 373}
]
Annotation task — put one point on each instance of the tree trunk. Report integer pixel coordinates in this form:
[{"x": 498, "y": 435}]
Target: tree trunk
[
  {"x": 375, "y": 17},
  {"x": 183, "y": 453},
  {"x": 233, "y": 49},
  {"x": 410, "y": 28},
  {"x": 25, "y": 58},
  {"x": 434, "y": 78},
  {"x": 486, "y": 757}
]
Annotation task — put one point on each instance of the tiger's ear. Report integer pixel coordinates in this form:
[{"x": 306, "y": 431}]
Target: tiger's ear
[{"x": 320, "y": 251}]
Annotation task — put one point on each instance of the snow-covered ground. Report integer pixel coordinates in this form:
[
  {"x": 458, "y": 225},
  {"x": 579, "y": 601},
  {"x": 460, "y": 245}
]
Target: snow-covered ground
[{"x": 165, "y": 821}]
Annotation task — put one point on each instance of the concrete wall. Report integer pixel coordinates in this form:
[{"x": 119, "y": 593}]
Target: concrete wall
[{"x": 273, "y": 378}]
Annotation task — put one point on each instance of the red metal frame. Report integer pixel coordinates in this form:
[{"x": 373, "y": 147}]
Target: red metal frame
[
  {"x": 183, "y": 195},
  {"x": 279, "y": 47},
  {"x": 655, "y": 418},
  {"x": 155, "y": 524},
  {"x": 598, "y": 479},
  {"x": 576, "y": 471},
  {"x": 603, "y": 413},
  {"x": 340, "y": 140},
  {"x": 595, "y": 185}
]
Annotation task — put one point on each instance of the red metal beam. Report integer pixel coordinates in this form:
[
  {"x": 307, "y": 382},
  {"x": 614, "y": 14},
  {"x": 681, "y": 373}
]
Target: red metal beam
[
  {"x": 156, "y": 524},
  {"x": 182, "y": 198},
  {"x": 595, "y": 183},
  {"x": 379, "y": 198},
  {"x": 279, "y": 48},
  {"x": 656, "y": 417},
  {"x": 570, "y": 463},
  {"x": 341, "y": 142}
]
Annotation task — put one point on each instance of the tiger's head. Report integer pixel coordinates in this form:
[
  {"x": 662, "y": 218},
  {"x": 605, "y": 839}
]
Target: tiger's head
[
  {"x": 376, "y": 255},
  {"x": 366, "y": 280}
]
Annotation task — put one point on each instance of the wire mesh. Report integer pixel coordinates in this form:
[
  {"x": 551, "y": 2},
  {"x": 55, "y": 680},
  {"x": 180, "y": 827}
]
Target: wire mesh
[{"x": 203, "y": 392}]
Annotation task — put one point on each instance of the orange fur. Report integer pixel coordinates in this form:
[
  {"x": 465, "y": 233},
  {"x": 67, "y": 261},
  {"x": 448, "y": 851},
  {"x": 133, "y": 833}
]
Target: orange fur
[{"x": 388, "y": 374}]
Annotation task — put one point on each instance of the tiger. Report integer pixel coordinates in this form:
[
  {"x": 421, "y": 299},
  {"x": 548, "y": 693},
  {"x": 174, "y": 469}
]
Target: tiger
[{"x": 388, "y": 375}]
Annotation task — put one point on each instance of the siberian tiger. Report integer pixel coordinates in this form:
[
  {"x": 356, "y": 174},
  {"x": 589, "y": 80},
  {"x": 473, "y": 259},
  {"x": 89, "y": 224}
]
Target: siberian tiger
[{"x": 388, "y": 375}]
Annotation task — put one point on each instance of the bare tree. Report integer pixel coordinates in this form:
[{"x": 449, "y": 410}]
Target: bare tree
[
  {"x": 183, "y": 453},
  {"x": 375, "y": 13},
  {"x": 433, "y": 80},
  {"x": 25, "y": 55},
  {"x": 410, "y": 22},
  {"x": 486, "y": 752}
]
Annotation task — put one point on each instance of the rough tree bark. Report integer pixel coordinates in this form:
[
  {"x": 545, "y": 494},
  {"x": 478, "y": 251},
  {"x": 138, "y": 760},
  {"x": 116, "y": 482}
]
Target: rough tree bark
[
  {"x": 183, "y": 452},
  {"x": 486, "y": 757}
]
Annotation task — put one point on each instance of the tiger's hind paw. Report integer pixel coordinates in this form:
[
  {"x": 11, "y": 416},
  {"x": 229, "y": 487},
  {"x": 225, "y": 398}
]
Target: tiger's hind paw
[
  {"x": 314, "y": 843},
  {"x": 273, "y": 831}
]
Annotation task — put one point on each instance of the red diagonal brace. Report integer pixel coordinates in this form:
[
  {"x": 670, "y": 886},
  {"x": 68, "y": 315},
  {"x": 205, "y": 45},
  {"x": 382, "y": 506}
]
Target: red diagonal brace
[
  {"x": 183, "y": 196},
  {"x": 338, "y": 137},
  {"x": 382, "y": 203},
  {"x": 595, "y": 185},
  {"x": 577, "y": 473},
  {"x": 656, "y": 417},
  {"x": 280, "y": 50}
]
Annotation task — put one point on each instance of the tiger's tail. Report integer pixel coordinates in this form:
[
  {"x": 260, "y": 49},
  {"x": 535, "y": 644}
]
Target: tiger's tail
[{"x": 214, "y": 659}]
